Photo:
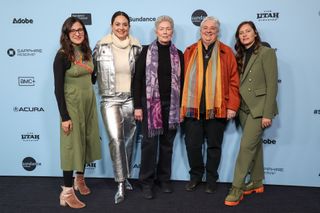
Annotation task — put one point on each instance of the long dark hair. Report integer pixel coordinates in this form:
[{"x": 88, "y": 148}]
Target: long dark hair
[
  {"x": 240, "y": 48},
  {"x": 120, "y": 13},
  {"x": 66, "y": 44}
]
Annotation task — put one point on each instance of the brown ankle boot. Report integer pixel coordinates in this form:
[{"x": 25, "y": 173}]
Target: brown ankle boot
[
  {"x": 67, "y": 197},
  {"x": 80, "y": 184}
]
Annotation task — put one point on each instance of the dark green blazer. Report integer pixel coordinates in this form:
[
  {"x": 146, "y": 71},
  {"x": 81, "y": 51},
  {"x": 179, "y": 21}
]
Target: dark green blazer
[{"x": 259, "y": 83}]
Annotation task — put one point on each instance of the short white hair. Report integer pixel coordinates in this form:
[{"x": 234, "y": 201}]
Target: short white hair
[
  {"x": 164, "y": 18},
  {"x": 211, "y": 18}
]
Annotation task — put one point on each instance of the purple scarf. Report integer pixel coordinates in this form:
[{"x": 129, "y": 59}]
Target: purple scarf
[{"x": 155, "y": 123}]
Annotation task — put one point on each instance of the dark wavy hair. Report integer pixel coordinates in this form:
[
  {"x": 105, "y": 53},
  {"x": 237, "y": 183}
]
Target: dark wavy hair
[
  {"x": 240, "y": 49},
  {"x": 120, "y": 13},
  {"x": 66, "y": 44}
]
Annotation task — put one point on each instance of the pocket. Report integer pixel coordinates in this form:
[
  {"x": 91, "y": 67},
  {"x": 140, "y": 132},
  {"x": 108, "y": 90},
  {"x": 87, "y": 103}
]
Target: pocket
[
  {"x": 260, "y": 92},
  {"x": 105, "y": 56}
]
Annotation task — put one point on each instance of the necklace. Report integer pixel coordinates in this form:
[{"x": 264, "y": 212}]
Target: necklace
[{"x": 207, "y": 53}]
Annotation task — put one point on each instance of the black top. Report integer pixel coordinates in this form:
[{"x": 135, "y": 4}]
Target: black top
[
  {"x": 164, "y": 75},
  {"x": 247, "y": 56},
  {"x": 60, "y": 65}
]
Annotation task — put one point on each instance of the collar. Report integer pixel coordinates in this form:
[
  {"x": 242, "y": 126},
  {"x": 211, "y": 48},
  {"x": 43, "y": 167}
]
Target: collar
[{"x": 108, "y": 40}]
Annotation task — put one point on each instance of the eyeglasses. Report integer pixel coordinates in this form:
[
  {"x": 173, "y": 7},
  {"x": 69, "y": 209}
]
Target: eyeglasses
[{"x": 79, "y": 31}]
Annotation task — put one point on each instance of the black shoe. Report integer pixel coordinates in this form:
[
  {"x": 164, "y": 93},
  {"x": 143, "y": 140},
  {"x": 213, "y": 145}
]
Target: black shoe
[
  {"x": 147, "y": 192},
  {"x": 192, "y": 185},
  {"x": 166, "y": 187},
  {"x": 211, "y": 188}
]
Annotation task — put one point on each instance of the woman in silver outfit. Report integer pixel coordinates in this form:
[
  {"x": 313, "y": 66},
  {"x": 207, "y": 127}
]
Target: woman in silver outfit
[{"x": 114, "y": 59}]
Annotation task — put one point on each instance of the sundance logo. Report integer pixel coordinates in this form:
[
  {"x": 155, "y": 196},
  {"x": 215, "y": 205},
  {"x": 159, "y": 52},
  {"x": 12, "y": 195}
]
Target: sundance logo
[
  {"x": 22, "y": 21},
  {"x": 30, "y": 137},
  {"x": 142, "y": 19},
  {"x": 268, "y": 16},
  {"x": 29, "y": 164},
  {"x": 197, "y": 17},
  {"x": 26, "y": 81},
  {"x": 28, "y": 109}
]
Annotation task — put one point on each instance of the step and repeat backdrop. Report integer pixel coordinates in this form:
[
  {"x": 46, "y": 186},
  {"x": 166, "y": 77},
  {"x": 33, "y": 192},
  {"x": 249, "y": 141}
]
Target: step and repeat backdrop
[{"x": 30, "y": 32}]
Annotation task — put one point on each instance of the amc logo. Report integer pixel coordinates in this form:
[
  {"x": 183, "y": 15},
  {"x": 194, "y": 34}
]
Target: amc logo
[
  {"x": 26, "y": 81},
  {"x": 269, "y": 141}
]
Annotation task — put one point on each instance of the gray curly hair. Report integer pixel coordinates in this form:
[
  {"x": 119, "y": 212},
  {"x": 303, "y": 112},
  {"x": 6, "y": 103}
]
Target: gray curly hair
[{"x": 164, "y": 18}]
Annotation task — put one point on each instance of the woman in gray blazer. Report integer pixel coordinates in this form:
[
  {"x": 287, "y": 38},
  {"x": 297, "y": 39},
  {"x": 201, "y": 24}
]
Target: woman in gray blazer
[{"x": 257, "y": 66}]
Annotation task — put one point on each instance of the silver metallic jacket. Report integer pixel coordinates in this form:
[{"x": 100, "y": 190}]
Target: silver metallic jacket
[{"x": 104, "y": 65}]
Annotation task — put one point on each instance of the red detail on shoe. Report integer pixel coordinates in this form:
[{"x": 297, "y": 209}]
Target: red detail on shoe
[
  {"x": 257, "y": 190},
  {"x": 234, "y": 203}
]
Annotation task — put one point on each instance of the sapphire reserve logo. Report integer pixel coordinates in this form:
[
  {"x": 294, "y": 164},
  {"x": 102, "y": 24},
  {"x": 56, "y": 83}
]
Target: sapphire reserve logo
[{"x": 23, "y": 52}]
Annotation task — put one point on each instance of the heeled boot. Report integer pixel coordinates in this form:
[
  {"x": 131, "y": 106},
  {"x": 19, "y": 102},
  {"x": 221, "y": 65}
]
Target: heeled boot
[
  {"x": 68, "y": 197},
  {"x": 128, "y": 185},
  {"x": 119, "y": 196},
  {"x": 80, "y": 184}
]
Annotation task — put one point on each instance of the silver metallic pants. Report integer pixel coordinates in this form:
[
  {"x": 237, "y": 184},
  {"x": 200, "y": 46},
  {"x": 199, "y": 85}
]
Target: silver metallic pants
[{"x": 117, "y": 115}]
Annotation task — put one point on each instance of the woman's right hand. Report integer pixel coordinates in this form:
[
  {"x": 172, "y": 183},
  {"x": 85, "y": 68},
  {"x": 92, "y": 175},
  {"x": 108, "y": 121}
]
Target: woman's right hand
[
  {"x": 67, "y": 126},
  {"x": 138, "y": 114}
]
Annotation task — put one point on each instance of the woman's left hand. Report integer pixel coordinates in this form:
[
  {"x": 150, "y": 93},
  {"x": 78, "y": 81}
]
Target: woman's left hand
[
  {"x": 230, "y": 114},
  {"x": 138, "y": 115},
  {"x": 266, "y": 122}
]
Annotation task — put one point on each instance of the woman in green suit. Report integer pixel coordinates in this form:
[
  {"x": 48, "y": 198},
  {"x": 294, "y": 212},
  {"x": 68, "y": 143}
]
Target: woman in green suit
[{"x": 257, "y": 66}]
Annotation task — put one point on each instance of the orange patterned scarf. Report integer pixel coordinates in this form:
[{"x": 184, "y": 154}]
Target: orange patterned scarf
[{"x": 193, "y": 84}]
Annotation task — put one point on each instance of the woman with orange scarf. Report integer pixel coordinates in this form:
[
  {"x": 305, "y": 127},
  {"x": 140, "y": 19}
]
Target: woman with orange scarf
[{"x": 210, "y": 98}]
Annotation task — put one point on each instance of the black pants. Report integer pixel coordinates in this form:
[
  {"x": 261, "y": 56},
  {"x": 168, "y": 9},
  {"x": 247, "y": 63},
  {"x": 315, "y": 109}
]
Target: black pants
[
  {"x": 68, "y": 177},
  {"x": 156, "y": 152},
  {"x": 196, "y": 131}
]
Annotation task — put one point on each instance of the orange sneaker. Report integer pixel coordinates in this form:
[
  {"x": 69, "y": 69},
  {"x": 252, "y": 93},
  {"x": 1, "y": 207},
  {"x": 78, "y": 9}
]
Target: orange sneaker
[
  {"x": 253, "y": 187},
  {"x": 234, "y": 197}
]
